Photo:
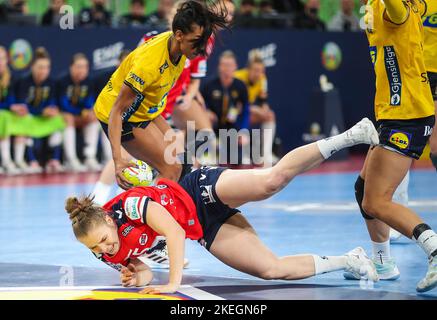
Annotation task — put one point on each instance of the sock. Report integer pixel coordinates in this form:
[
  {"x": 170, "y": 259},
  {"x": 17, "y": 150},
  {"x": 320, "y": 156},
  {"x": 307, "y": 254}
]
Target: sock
[
  {"x": 268, "y": 130},
  {"x": 19, "y": 149},
  {"x": 101, "y": 193},
  {"x": 331, "y": 145},
  {"x": 91, "y": 137},
  {"x": 434, "y": 160},
  {"x": 106, "y": 148},
  {"x": 5, "y": 147},
  {"x": 401, "y": 194},
  {"x": 426, "y": 238},
  {"x": 324, "y": 264},
  {"x": 381, "y": 251},
  {"x": 70, "y": 144}
]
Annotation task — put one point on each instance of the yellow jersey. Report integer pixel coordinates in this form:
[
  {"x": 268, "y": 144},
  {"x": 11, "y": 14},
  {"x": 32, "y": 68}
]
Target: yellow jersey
[
  {"x": 396, "y": 50},
  {"x": 257, "y": 90},
  {"x": 430, "y": 48},
  {"x": 149, "y": 72}
]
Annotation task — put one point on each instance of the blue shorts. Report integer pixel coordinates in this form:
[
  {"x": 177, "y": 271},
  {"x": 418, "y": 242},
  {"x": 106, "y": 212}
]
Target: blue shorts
[
  {"x": 127, "y": 129},
  {"x": 212, "y": 212}
]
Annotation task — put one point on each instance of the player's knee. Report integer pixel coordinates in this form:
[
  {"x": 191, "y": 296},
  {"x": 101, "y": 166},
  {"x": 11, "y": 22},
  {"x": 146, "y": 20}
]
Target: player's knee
[
  {"x": 372, "y": 208},
  {"x": 359, "y": 196}
]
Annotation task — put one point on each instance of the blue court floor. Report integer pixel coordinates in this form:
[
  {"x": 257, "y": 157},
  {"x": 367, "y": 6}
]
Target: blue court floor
[{"x": 316, "y": 213}]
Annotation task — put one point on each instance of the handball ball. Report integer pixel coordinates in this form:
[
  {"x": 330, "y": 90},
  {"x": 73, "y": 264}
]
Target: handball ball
[{"x": 140, "y": 176}]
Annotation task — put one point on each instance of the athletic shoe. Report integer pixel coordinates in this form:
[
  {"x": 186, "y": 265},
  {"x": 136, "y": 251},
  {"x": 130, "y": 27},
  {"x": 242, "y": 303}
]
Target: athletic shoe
[
  {"x": 360, "y": 266},
  {"x": 75, "y": 166},
  {"x": 159, "y": 255},
  {"x": 363, "y": 132},
  {"x": 395, "y": 235},
  {"x": 11, "y": 169},
  {"x": 54, "y": 166},
  {"x": 92, "y": 165},
  {"x": 430, "y": 280},
  {"x": 386, "y": 271}
]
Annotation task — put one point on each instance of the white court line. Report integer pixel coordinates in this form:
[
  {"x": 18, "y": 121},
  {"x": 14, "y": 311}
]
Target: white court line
[
  {"x": 187, "y": 290},
  {"x": 339, "y": 206}
]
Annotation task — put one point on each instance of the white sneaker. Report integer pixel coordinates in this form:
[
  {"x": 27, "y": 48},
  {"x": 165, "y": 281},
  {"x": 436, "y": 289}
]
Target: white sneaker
[
  {"x": 54, "y": 166},
  {"x": 159, "y": 255},
  {"x": 430, "y": 280},
  {"x": 11, "y": 169},
  {"x": 34, "y": 168},
  {"x": 386, "y": 271},
  {"x": 395, "y": 235},
  {"x": 92, "y": 165},
  {"x": 75, "y": 166},
  {"x": 360, "y": 266},
  {"x": 363, "y": 132}
]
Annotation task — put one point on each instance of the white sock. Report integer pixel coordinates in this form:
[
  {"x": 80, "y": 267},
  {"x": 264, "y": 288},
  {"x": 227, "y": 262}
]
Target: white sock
[
  {"x": 381, "y": 251},
  {"x": 106, "y": 148},
  {"x": 101, "y": 193},
  {"x": 268, "y": 136},
  {"x": 401, "y": 194},
  {"x": 91, "y": 137},
  {"x": 5, "y": 146},
  {"x": 70, "y": 144},
  {"x": 331, "y": 145},
  {"x": 324, "y": 264},
  {"x": 427, "y": 241},
  {"x": 19, "y": 149}
]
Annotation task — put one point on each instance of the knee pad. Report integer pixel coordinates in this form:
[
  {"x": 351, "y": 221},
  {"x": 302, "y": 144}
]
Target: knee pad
[{"x": 359, "y": 195}]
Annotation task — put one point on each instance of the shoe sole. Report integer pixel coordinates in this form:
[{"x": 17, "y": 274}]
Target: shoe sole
[
  {"x": 428, "y": 288},
  {"x": 349, "y": 276}
]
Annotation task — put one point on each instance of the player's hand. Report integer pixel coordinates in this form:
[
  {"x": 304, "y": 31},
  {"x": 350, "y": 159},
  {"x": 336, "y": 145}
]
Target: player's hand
[
  {"x": 20, "y": 109},
  {"x": 121, "y": 180},
  {"x": 169, "y": 288},
  {"x": 128, "y": 276},
  {"x": 184, "y": 102}
]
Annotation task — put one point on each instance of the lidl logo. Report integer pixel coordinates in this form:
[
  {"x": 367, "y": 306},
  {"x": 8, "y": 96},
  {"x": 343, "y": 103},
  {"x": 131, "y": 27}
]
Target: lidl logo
[
  {"x": 431, "y": 21},
  {"x": 400, "y": 139}
]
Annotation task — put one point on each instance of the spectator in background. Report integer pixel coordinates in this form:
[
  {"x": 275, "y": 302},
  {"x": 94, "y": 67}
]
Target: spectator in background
[
  {"x": 345, "y": 19},
  {"x": 136, "y": 17},
  {"x": 52, "y": 16},
  {"x": 12, "y": 8},
  {"x": 254, "y": 77},
  {"x": 33, "y": 98},
  {"x": 76, "y": 99},
  {"x": 266, "y": 8},
  {"x": 227, "y": 103},
  {"x": 245, "y": 16},
  {"x": 97, "y": 15},
  {"x": 309, "y": 19},
  {"x": 288, "y": 6},
  {"x": 158, "y": 18}
]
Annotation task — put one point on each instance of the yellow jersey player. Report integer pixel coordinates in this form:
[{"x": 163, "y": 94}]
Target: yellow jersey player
[
  {"x": 405, "y": 113},
  {"x": 430, "y": 54},
  {"x": 254, "y": 77},
  {"x": 130, "y": 105}
]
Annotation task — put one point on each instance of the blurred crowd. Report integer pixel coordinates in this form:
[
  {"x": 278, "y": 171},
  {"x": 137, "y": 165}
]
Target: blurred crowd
[{"x": 331, "y": 15}]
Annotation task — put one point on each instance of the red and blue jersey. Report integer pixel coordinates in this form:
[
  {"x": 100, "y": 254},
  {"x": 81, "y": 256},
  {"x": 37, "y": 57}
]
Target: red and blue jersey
[{"x": 129, "y": 211}]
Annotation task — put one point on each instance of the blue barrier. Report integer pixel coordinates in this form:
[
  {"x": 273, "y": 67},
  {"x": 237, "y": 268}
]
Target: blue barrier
[{"x": 295, "y": 60}]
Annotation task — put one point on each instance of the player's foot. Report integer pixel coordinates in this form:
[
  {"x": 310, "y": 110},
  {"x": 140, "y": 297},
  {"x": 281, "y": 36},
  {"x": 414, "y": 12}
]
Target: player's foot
[
  {"x": 93, "y": 165},
  {"x": 430, "y": 280},
  {"x": 386, "y": 271},
  {"x": 54, "y": 166},
  {"x": 360, "y": 266},
  {"x": 34, "y": 168},
  {"x": 395, "y": 235},
  {"x": 364, "y": 132},
  {"x": 75, "y": 166},
  {"x": 11, "y": 169}
]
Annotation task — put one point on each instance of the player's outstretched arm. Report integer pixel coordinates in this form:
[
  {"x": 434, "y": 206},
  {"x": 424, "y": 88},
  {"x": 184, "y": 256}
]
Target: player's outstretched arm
[
  {"x": 160, "y": 220},
  {"x": 397, "y": 11}
]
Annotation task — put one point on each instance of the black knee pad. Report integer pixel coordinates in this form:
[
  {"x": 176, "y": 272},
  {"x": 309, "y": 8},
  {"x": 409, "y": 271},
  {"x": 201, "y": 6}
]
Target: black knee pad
[{"x": 359, "y": 195}]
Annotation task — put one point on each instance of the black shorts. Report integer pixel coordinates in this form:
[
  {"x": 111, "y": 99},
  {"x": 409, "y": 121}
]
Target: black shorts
[
  {"x": 408, "y": 137},
  {"x": 432, "y": 76},
  {"x": 212, "y": 212},
  {"x": 127, "y": 127}
]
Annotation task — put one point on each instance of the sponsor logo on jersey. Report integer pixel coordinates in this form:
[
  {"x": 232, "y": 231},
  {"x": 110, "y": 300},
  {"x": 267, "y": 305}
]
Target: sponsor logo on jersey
[
  {"x": 127, "y": 230},
  {"x": 163, "y": 67},
  {"x": 373, "y": 54},
  {"x": 133, "y": 207},
  {"x": 143, "y": 239},
  {"x": 431, "y": 21},
  {"x": 393, "y": 75},
  {"x": 400, "y": 139},
  {"x": 136, "y": 78},
  {"x": 161, "y": 186}
]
